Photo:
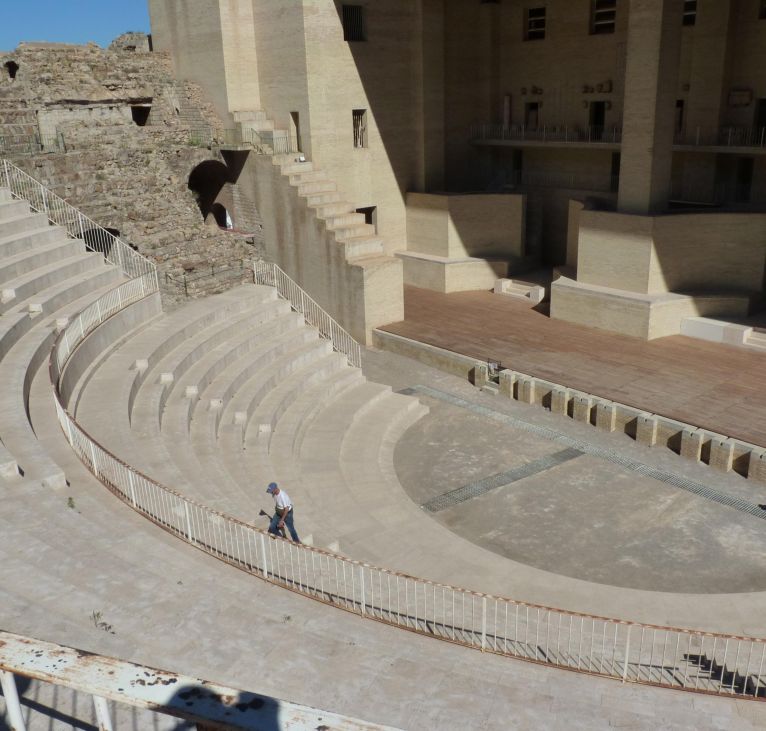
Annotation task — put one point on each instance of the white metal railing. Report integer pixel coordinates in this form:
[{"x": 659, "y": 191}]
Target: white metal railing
[
  {"x": 628, "y": 651},
  {"x": 162, "y": 691},
  {"x": 729, "y": 136},
  {"x": 270, "y": 274},
  {"x": 274, "y": 142},
  {"x": 77, "y": 224},
  {"x": 546, "y": 133}
]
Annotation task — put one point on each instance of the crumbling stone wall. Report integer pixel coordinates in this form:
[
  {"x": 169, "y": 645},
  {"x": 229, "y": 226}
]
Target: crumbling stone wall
[{"x": 118, "y": 138}]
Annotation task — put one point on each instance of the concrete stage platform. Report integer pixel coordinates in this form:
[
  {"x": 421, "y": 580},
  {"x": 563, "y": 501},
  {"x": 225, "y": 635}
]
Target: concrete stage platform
[{"x": 717, "y": 387}]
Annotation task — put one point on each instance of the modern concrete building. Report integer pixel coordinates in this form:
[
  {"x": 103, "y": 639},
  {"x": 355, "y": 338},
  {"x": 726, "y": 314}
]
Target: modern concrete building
[{"x": 620, "y": 143}]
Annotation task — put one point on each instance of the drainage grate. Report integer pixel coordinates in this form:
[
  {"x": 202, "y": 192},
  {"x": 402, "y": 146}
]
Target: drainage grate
[
  {"x": 579, "y": 446},
  {"x": 474, "y": 489}
]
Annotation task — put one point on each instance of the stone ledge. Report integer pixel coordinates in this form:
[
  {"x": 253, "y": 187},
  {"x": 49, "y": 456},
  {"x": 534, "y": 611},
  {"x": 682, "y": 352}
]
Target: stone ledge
[{"x": 702, "y": 445}]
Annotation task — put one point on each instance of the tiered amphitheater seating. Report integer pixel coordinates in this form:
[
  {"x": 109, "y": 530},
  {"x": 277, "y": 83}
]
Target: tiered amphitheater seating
[
  {"x": 45, "y": 278},
  {"x": 192, "y": 389}
]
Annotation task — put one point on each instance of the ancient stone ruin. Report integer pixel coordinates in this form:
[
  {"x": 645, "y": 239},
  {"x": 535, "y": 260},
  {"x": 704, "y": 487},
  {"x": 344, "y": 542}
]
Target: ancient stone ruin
[{"x": 117, "y": 136}]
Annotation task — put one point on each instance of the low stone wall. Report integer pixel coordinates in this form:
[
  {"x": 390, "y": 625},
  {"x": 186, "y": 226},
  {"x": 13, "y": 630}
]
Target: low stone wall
[{"x": 702, "y": 445}]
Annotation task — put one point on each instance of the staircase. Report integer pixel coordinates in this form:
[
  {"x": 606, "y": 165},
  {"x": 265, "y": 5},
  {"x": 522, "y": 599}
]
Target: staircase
[{"x": 353, "y": 235}]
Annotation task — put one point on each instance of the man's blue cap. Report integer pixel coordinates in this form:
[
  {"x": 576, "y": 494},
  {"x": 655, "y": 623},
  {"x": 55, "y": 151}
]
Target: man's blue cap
[{"x": 272, "y": 486}]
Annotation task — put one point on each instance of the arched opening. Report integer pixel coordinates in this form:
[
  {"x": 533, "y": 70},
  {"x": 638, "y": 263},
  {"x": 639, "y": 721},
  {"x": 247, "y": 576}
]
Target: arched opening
[
  {"x": 12, "y": 68},
  {"x": 221, "y": 216},
  {"x": 207, "y": 182},
  {"x": 100, "y": 239},
  {"x": 140, "y": 113}
]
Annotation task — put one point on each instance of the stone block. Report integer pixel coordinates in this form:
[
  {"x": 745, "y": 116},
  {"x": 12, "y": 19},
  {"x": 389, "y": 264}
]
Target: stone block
[
  {"x": 216, "y": 404},
  {"x": 240, "y": 417},
  {"x": 560, "y": 398},
  {"x": 527, "y": 389},
  {"x": 61, "y": 323},
  {"x": 583, "y": 406},
  {"x": 646, "y": 429},
  {"x": 166, "y": 378},
  {"x": 507, "y": 382},
  {"x": 606, "y": 416},
  {"x": 35, "y": 308},
  {"x": 191, "y": 392},
  {"x": 480, "y": 375},
  {"x": 721, "y": 454},
  {"x": 757, "y": 467},
  {"x": 691, "y": 443},
  {"x": 141, "y": 365},
  {"x": 7, "y": 295}
]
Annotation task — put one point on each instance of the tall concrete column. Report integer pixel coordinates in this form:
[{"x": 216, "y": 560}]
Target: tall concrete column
[{"x": 651, "y": 79}]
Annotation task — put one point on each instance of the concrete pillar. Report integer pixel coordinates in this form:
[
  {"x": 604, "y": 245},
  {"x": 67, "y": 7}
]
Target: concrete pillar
[
  {"x": 560, "y": 400},
  {"x": 646, "y": 429},
  {"x": 691, "y": 444},
  {"x": 507, "y": 382},
  {"x": 757, "y": 468},
  {"x": 722, "y": 454},
  {"x": 527, "y": 389},
  {"x": 583, "y": 405},
  {"x": 606, "y": 416},
  {"x": 480, "y": 375},
  {"x": 651, "y": 79}
]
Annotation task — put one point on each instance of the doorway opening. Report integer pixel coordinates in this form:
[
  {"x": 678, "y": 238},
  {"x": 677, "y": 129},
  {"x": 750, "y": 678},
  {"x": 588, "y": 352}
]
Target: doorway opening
[
  {"x": 532, "y": 115},
  {"x": 744, "y": 179},
  {"x": 760, "y": 120},
  {"x": 597, "y": 119},
  {"x": 295, "y": 131}
]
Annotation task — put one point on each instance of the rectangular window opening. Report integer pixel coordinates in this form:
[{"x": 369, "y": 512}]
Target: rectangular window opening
[
  {"x": 762, "y": 10},
  {"x": 370, "y": 215},
  {"x": 603, "y": 15},
  {"x": 690, "y": 12},
  {"x": 353, "y": 23},
  {"x": 359, "y": 119},
  {"x": 534, "y": 26}
]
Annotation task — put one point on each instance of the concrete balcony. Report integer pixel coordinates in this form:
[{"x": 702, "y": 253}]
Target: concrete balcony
[
  {"x": 731, "y": 139},
  {"x": 554, "y": 135}
]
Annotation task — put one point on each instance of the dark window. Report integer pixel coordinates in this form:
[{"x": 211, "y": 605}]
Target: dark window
[
  {"x": 602, "y": 16},
  {"x": 353, "y": 23},
  {"x": 140, "y": 114},
  {"x": 359, "y": 119},
  {"x": 534, "y": 26},
  {"x": 690, "y": 12},
  {"x": 679, "y": 116},
  {"x": 12, "y": 68},
  {"x": 762, "y": 10},
  {"x": 370, "y": 215}
]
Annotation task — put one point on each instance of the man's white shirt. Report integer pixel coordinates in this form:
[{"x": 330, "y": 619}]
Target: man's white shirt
[{"x": 282, "y": 500}]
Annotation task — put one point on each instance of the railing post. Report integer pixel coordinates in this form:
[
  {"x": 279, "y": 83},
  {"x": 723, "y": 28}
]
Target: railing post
[
  {"x": 6, "y": 174},
  {"x": 483, "y": 622},
  {"x": 12, "y": 704},
  {"x": 627, "y": 656},
  {"x": 103, "y": 717},
  {"x": 361, "y": 589},
  {"x": 188, "y": 522},
  {"x": 263, "y": 553}
]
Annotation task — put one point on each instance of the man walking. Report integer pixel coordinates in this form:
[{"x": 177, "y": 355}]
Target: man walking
[{"x": 283, "y": 512}]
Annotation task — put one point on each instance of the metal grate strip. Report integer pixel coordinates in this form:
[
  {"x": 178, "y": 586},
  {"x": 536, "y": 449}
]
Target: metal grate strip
[
  {"x": 481, "y": 487},
  {"x": 640, "y": 468}
]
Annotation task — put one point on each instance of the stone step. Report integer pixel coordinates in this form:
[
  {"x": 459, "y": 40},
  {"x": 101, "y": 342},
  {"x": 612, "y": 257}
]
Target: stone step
[
  {"x": 345, "y": 220},
  {"x": 363, "y": 246},
  {"x": 5, "y": 194},
  {"x": 22, "y": 224},
  {"x": 13, "y": 209},
  {"x": 354, "y": 231},
  {"x": 318, "y": 199},
  {"x": 330, "y": 210},
  {"x": 32, "y": 285},
  {"x": 294, "y": 168},
  {"x": 307, "y": 176},
  {"x": 26, "y": 261},
  {"x": 324, "y": 186}
]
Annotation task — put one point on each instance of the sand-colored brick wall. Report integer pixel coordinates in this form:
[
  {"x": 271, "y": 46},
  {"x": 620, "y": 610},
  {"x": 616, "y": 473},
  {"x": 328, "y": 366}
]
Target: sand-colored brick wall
[
  {"x": 674, "y": 253},
  {"x": 457, "y": 226}
]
